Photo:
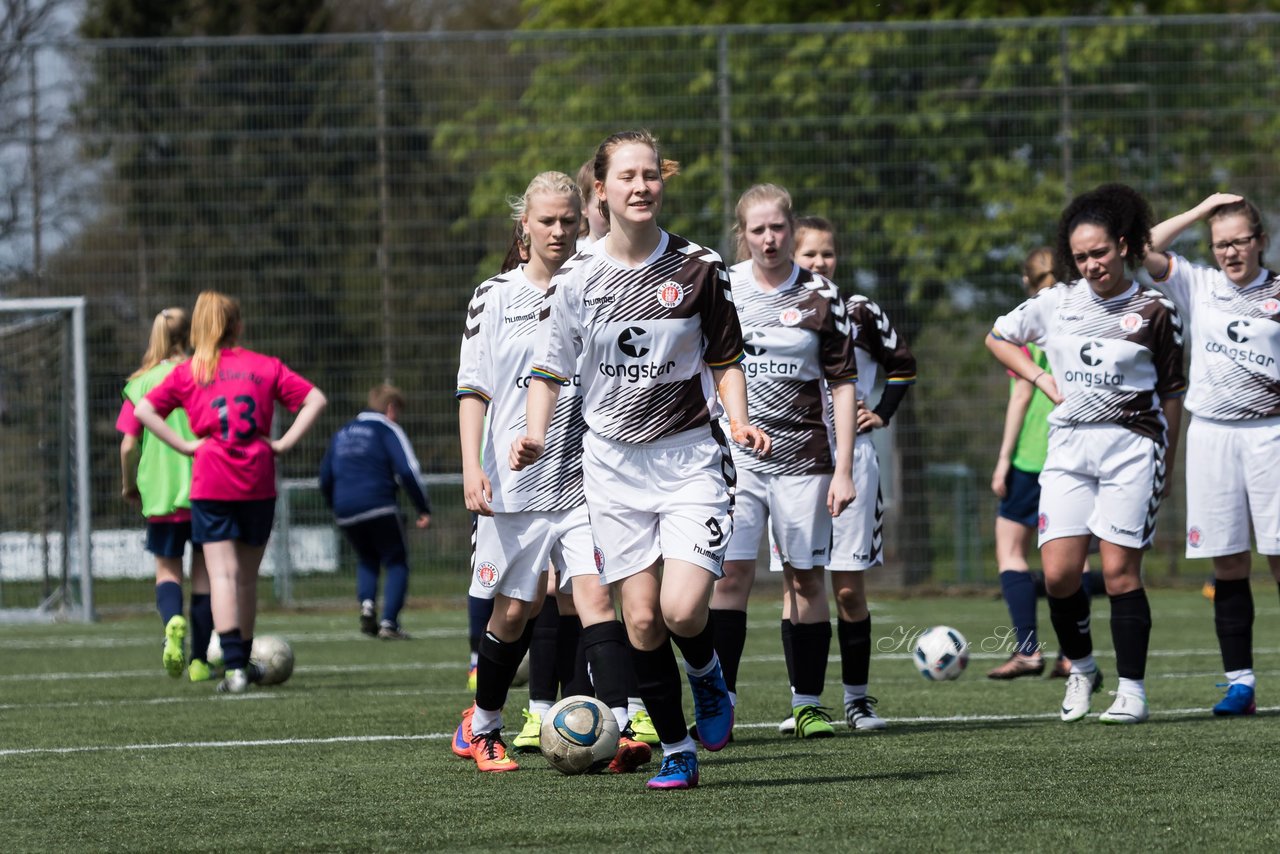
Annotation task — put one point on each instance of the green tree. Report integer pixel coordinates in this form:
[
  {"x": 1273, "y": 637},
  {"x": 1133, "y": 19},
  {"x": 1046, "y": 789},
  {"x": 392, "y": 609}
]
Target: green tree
[{"x": 942, "y": 154}]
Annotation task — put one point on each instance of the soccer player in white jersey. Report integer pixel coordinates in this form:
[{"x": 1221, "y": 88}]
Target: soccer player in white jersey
[
  {"x": 1233, "y": 439},
  {"x": 858, "y": 538},
  {"x": 649, "y": 318},
  {"x": 1117, "y": 384},
  {"x": 527, "y": 518},
  {"x": 796, "y": 332}
]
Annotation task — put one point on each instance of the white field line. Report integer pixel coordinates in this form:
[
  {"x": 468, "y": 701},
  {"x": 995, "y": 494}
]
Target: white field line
[
  {"x": 314, "y": 668},
  {"x": 424, "y": 692},
  {"x": 152, "y": 673},
  {"x": 440, "y": 736}
]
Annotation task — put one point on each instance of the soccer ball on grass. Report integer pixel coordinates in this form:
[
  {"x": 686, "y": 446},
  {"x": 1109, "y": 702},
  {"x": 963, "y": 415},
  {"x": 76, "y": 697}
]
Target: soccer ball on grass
[
  {"x": 941, "y": 653},
  {"x": 579, "y": 734},
  {"x": 275, "y": 656}
]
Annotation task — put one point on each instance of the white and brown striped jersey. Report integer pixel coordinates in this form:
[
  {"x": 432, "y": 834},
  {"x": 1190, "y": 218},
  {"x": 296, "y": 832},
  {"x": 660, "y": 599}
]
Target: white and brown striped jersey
[
  {"x": 1235, "y": 340},
  {"x": 497, "y": 347},
  {"x": 879, "y": 346},
  {"x": 1113, "y": 359},
  {"x": 646, "y": 338},
  {"x": 796, "y": 337}
]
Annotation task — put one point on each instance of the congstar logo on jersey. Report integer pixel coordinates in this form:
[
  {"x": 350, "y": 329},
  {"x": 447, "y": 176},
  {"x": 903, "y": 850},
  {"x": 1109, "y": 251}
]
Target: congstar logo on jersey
[
  {"x": 757, "y": 367},
  {"x": 1238, "y": 331},
  {"x": 751, "y": 348},
  {"x": 1091, "y": 355},
  {"x": 634, "y": 342}
]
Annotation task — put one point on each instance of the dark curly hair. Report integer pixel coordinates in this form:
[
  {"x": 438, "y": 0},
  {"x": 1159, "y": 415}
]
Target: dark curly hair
[{"x": 1119, "y": 210}]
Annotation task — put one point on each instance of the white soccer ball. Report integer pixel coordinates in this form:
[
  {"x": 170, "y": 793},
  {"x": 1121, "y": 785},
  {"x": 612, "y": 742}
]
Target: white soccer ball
[
  {"x": 213, "y": 657},
  {"x": 579, "y": 734},
  {"x": 941, "y": 653},
  {"x": 275, "y": 656}
]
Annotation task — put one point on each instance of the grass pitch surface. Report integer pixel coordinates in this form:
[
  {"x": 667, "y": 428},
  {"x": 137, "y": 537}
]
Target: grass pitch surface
[{"x": 100, "y": 750}]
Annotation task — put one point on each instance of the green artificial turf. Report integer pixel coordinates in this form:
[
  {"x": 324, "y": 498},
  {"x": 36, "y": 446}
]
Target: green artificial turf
[{"x": 101, "y": 751}]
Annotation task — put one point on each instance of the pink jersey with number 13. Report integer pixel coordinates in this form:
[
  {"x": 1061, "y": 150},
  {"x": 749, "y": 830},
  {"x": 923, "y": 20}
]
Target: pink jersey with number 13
[{"x": 235, "y": 463}]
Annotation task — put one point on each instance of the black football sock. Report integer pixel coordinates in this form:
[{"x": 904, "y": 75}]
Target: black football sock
[
  {"x": 605, "y": 645},
  {"x": 658, "y": 677},
  {"x": 497, "y": 666},
  {"x": 855, "y": 650},
  {"x": 542, "y": 653},
  {"x": 812, "y": 650},
  {"x": 729, "y": 633},
  {"x": 1233, "y": 619},
  {"x": 1131, "y": 632},
  {"x": 1070, "y": 618}
]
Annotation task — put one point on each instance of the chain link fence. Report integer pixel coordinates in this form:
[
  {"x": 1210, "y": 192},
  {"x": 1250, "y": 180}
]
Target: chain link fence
[{"x": 351, "y": 191}]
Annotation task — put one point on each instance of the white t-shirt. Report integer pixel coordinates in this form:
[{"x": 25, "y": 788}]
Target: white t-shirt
[
  {"x": 497, "y": 344},
  {"x": 644, "y": 339},
  {"x": 796, "y": 339},
  {"x": 1235, "y": 340},
  {"x": 1113, "y": 359}
]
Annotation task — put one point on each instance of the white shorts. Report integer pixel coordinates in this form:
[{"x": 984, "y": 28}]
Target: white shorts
[
  {"x": 1101, "y": 479},
  {"x": 513, "y": 550},
  {"x": 1231, "y": 479},
  {"x": 857, "y": 534},
  {"x": 793, "y": 508},
  {"x": 669, "y": 498}
]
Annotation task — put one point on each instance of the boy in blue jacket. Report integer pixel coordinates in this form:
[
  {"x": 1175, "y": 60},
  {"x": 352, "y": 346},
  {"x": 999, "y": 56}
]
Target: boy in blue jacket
[{"x": 368, "y": 460}]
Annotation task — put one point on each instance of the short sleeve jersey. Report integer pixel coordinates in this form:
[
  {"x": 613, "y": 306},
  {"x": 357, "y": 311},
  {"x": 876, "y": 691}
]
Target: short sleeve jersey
[
  {"x": 647, "y": 337},
  {"x": 796, "y": 337},
  {"x": 1235, "y": 340},
  {"x": 1033, "y": 437},
  {"x": 878, "y": 345},
  {"x": 1113, "y": 359},
  {"x": 164, "y": 475},
  {"x": 497, "y": 346},
  {"x": 233, "y": 412}
]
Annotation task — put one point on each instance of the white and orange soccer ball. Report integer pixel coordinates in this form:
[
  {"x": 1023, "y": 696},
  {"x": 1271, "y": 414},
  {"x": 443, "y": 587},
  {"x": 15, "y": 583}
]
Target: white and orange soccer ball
[
  {"x": 579, "y": 734},
  {"x": 941, "y": 653}
]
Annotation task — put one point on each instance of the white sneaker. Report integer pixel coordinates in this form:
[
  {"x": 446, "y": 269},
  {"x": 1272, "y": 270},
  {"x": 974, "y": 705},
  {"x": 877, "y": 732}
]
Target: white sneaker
[
  {"x": 1080, "y": 687},
  {"x": 1127, "y": 709},
  {"x": 861, "y": 714},
  {"x": 788, "y": 727},
  {"x": 234, "y": 682}
]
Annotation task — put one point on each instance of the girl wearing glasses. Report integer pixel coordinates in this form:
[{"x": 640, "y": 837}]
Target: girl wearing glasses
[
  {"x": 1117, "y": 385},
  {"x": 1234, "y": 438}
]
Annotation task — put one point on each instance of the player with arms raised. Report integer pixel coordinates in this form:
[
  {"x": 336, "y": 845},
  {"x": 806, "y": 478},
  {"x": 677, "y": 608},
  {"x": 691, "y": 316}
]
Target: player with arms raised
[{"x": 1233, "y": 439}]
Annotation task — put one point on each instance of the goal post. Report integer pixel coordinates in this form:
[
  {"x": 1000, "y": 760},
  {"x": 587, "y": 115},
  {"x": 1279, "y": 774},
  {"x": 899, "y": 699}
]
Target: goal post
[{"x": 46, "y": 566}]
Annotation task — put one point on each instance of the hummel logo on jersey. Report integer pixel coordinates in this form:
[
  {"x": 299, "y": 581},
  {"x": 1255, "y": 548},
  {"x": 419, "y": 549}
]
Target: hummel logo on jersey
[
  {"x": 1086, "y": 354},
  {"x": 752, "y": 349},
  {"x": 517, "y": 318},
  {"x": 594, "y": 301},
  {"x": 1235, "y": 331},
  {"x": 634, "y": 342}
]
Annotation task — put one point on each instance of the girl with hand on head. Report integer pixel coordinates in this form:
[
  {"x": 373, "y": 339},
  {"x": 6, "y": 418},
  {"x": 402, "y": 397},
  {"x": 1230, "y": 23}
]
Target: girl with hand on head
[
  {"x": 1117, "y": 385},
  {"x": 650, "y": 318},
  {"x": 229, "y": 394},
  {"x": 1233, "y": 438}
]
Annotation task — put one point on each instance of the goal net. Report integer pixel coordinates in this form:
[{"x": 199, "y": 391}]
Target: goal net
[{"x": 45, "y": 563}]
